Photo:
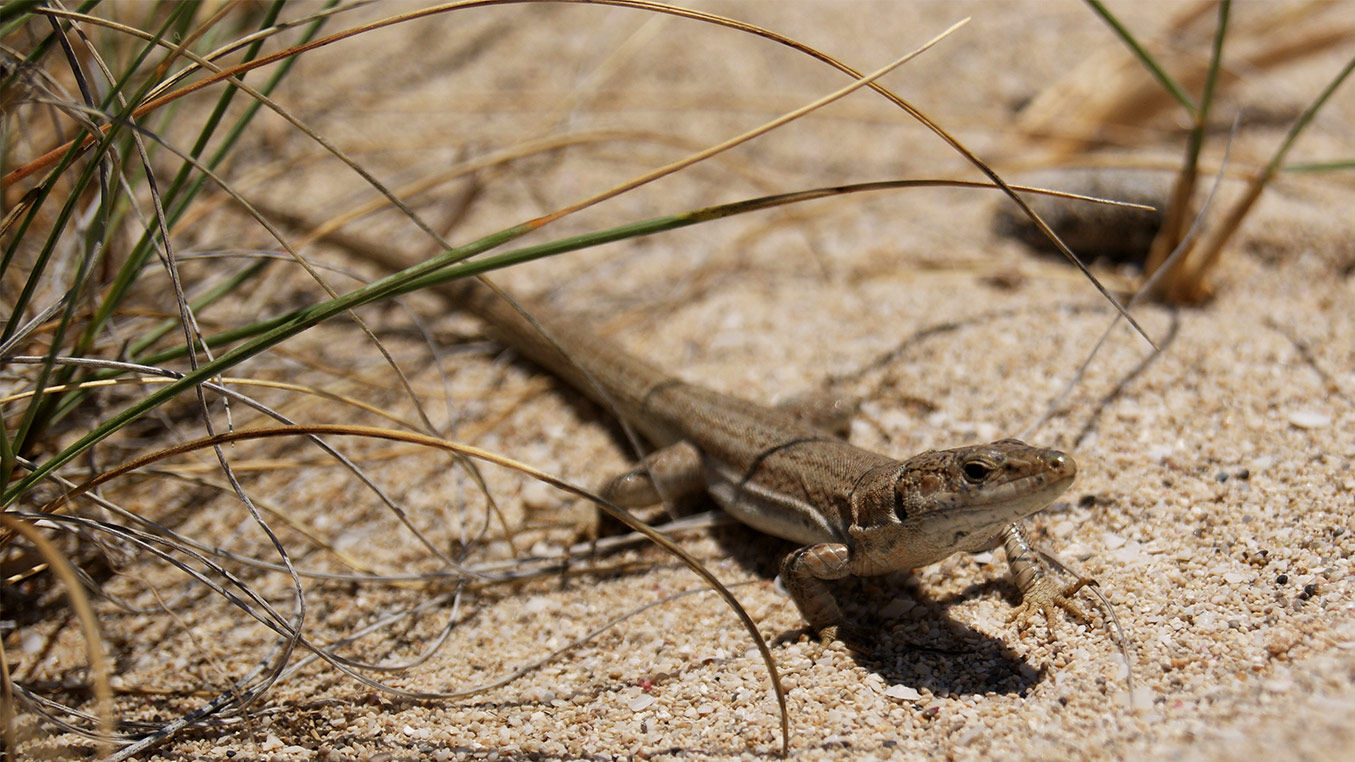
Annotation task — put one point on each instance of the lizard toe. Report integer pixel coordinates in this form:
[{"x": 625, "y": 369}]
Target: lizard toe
[{"x": 1045, "y": 598}]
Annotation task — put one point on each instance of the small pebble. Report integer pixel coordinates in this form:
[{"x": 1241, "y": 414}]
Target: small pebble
[
  {"x": 1309, "y": 419},
  {"x": 903, "y": 692},
  {"x": 641, "y": 702}
]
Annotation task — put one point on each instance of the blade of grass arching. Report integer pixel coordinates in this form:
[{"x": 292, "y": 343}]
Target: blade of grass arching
[
  {"x": 702, "y": 155},
  {"x": 491, "y": 262},
  {"x": 1191, "y": 287},
  {"x": 393, "y": 262},
  {"x": 1178, "y": 211},
  {"x": 1150, "y": 63}
]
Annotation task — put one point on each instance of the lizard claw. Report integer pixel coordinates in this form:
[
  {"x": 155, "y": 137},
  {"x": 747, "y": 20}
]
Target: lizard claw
[{"x": 1043, "y": 597}]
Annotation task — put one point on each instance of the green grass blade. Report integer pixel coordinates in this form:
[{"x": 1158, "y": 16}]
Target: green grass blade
[
  {"x": 1160, "y": 74},
  {"x": 185, "y": 187}
]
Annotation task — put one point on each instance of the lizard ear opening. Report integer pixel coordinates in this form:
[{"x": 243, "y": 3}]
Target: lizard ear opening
[{"x": 900, "y": 505}]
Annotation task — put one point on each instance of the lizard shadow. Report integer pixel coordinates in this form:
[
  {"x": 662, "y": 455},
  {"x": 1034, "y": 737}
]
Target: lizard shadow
[{"x": 920, "y": 645}]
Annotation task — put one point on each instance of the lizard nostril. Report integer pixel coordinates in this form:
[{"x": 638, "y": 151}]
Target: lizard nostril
[{"x": 1062, "y": 462}]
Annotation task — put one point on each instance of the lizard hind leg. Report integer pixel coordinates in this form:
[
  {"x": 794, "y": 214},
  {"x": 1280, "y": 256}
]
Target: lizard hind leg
[{"x": 665, "y": 477}]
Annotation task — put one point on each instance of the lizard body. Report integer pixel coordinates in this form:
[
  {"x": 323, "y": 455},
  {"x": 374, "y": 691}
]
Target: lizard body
[{"x": 855, "y": 512}]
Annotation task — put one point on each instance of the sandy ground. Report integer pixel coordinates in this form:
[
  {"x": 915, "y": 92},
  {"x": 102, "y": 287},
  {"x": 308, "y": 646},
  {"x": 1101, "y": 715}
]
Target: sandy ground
[{"x": 1213, "y": 503}]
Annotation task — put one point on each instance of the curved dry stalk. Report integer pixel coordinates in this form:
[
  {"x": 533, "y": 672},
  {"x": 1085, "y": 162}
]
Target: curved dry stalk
[
  {"x": 641, "y": 5},
  {"x": 475, "y": 577},
  {"x": 1154, "y": 282},
  {"x": 352, "y": 467},
  {"x": 616, "y": 512},
  {"x": 84, "y": 614},
  {"x": 468, "y": 167},
  {"x": 763, "y": 129},
  {"x": 392, "y": 261}
]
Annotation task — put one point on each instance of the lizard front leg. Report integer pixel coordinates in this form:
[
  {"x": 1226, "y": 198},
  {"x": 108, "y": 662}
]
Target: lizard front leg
[
  {"x": 804, "y": 574},
  {"x": 1040, "y": 592}
]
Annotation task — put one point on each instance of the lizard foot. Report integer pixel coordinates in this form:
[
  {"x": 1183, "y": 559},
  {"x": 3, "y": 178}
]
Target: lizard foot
[
  {"x": 856, "y": 638},
  {"x": 1043, "y": 597}
]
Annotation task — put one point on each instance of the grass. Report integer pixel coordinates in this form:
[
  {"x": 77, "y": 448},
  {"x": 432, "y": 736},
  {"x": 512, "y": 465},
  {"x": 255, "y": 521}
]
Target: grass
[
  {"x": 123, "y": 132},
  {"x": 1185, "y": 267},
  {"x": 94, "y": 163}
]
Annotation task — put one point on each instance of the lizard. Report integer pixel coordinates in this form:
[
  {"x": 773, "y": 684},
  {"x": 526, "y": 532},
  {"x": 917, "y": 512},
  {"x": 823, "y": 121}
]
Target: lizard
[{"x": 852, "y": 511}]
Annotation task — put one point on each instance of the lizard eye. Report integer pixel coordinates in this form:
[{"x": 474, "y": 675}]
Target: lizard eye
[{"x": 976, "y": 471}]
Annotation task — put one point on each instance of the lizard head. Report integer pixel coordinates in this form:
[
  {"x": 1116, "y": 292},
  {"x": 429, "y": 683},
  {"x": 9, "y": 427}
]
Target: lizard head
[{"x": 952, "y": 500}]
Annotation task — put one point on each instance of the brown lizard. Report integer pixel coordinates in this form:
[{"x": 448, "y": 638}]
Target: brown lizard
[{"x": 853, "y": 511}]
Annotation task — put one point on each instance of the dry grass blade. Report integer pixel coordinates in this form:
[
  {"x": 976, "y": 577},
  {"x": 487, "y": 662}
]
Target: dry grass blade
[
  {"x": 292, "y": 631},
  {"x": 763, "y": 129},
  {"x": 222, "y": 388},
  {"x": 96, "y": 658}
]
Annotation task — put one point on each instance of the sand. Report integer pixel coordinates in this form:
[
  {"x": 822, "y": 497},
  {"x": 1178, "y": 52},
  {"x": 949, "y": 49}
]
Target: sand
[{"x": 1213, "y": 504}]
